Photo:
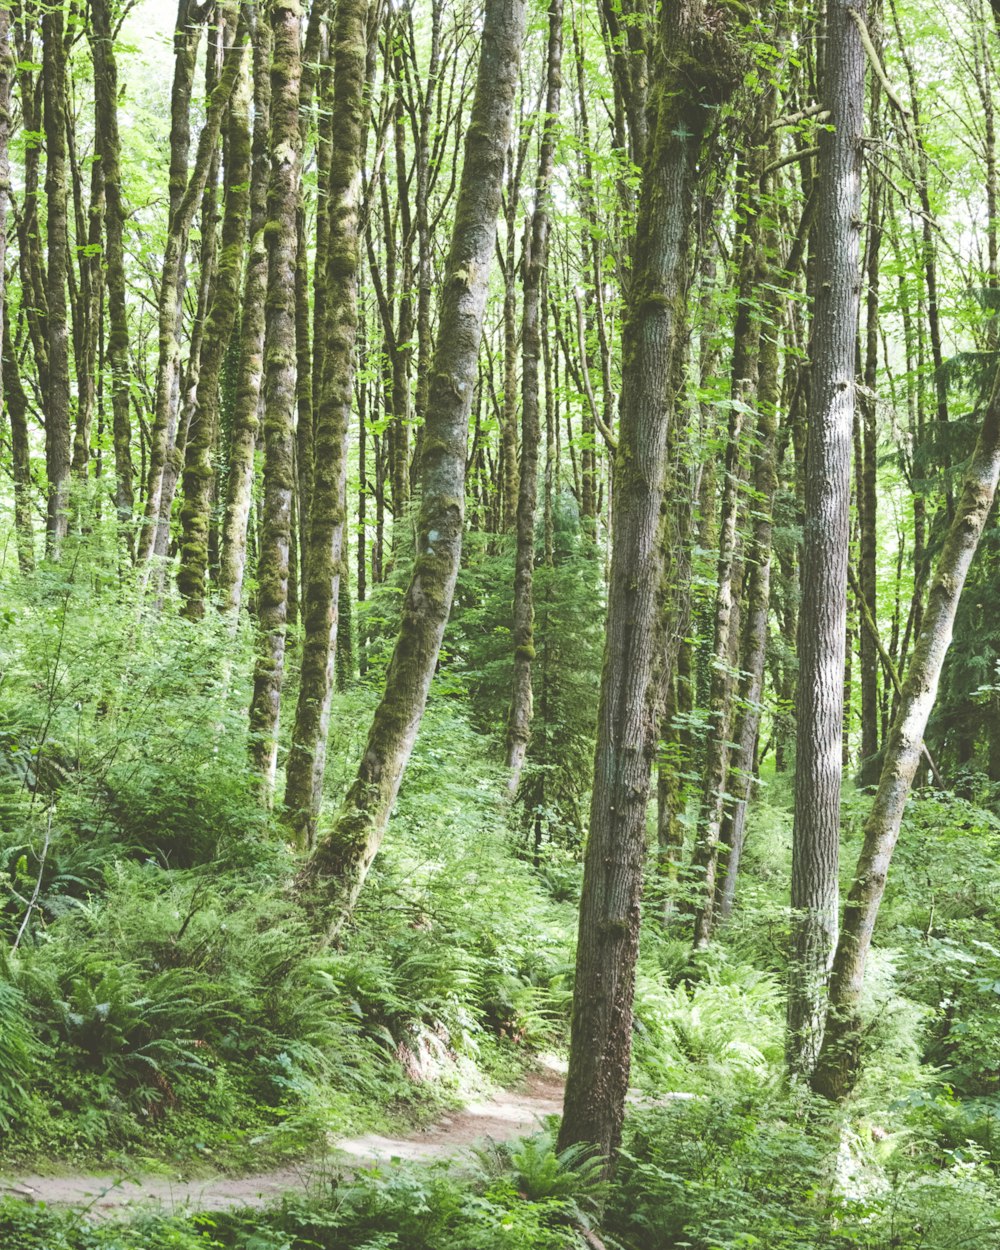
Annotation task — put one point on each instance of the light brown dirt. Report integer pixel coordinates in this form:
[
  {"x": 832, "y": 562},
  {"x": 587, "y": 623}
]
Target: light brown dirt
[{"x": 505, "y": 1115}]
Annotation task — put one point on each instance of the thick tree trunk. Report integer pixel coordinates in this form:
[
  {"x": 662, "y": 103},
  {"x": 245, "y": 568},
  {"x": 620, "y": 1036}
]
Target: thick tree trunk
[
  {"x": 536, "y": 263},
  {"x": 199, "y": 468},
  {"x": 338, "y": 866},
  {"x": 324, "y": 544},
  {"x": 279, "y": 392},
  {"x": 823, "y": 615},
  {"x": 694, "y": 70},
  {"x": 57, "y": 397},
  {"x": 250, "y": 353},
  {"x": 837, "y": 1070}
]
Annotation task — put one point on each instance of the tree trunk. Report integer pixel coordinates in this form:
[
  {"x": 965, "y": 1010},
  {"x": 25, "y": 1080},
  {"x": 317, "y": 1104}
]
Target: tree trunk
[
  {"x": 199, "y": 468},
  {"x": 746, "y": 336},
  {"x": 338, "y": 866},
  {"x": 279, "y": 392},
  {"x": 837, "y": 1070},
  {"x": 757, "y": 594},
  {"x": 826, "y": 535},
  {"x": 168, "y": 312},
  {"x": 536, "y": 263},
  {"x": 108, "y": 146},
  {"x": 57, "y": 402},
  {"x": 250, "y": 354},
  {"x": 324, "y": 546},
  {"x": 694, "y": 70}
]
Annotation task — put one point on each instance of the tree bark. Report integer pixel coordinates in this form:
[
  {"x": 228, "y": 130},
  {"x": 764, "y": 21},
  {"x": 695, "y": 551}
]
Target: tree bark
[
  {"x": 694, "y": 69},
  {"x": 826, "y": 535},
  {"x": 338, "y": 867}
]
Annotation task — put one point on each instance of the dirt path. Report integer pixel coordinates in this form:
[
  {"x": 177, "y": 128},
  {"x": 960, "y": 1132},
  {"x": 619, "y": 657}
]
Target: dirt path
[{"x": 506, "y": 1115}]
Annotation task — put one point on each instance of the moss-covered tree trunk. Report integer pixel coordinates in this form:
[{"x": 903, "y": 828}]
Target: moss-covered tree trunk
[
  {"x": 337, "y": 868},
  {"x": 279, "y": 391},
  {"x": 199, "y": 469},
  {"x": 167, "y": 310},
  {"x": 324, "y": 544},
  {"x": 57, "y": 395},
  {"x": 250, "y": 351},
  {"x": 838, "y": 1066},
  {"x": 184, "y": 407},
  {"x": 108, "y": 147},
  {"x": 693, "y": 71},
  {"x": 12, "y": 398},
  {"x": 536, "y": 263},
  {"x": 16, "y": 407}
]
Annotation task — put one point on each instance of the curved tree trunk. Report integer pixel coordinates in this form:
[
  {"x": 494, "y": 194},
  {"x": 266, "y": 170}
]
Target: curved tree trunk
[
  {"x": 519, "y": 719},
  {"x": 340, "y": 862},
  {"x": 693, "y": 71}
]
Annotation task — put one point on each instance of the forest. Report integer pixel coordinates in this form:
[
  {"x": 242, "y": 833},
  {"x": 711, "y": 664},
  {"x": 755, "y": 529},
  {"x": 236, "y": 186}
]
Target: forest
[{"x": 499, "y": 691}]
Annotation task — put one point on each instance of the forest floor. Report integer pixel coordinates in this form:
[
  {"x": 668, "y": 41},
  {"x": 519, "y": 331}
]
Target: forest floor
[{"x": 505, "y": 1115}]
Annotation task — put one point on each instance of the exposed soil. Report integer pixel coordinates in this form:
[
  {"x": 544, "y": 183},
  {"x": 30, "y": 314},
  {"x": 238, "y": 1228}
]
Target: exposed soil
[{"x": 508, "y": 1114}]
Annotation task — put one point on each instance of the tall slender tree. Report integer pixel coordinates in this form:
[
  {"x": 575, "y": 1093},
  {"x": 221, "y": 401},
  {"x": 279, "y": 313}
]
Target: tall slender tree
[
  {"x": 535, "y": 265},
  {"x": 279, "y": 391},
  {"x": 826, "y": 536}
]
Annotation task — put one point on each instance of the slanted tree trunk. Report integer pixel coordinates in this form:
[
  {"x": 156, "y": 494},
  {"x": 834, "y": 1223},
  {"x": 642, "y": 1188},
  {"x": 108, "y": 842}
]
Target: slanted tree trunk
[
  {"x": 168, "y": 311},
  {"x": 826, "y": 536},
  {"x": 338, "y": 867},
  {"x": 536, "y": 263},
  {"x": 324, "y": 544},
  {"x": 694, "y": 69},
  {"x": 279, "y": 392},
  {"x": 185, "y": 404},
  {"x": 250, "y": 353},
  {"x": 199, "y": 469},
  {"x": 839, "y": 1061},
  {"x": 108, "y": 147},
  {"x": 57, "y": 396}
]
